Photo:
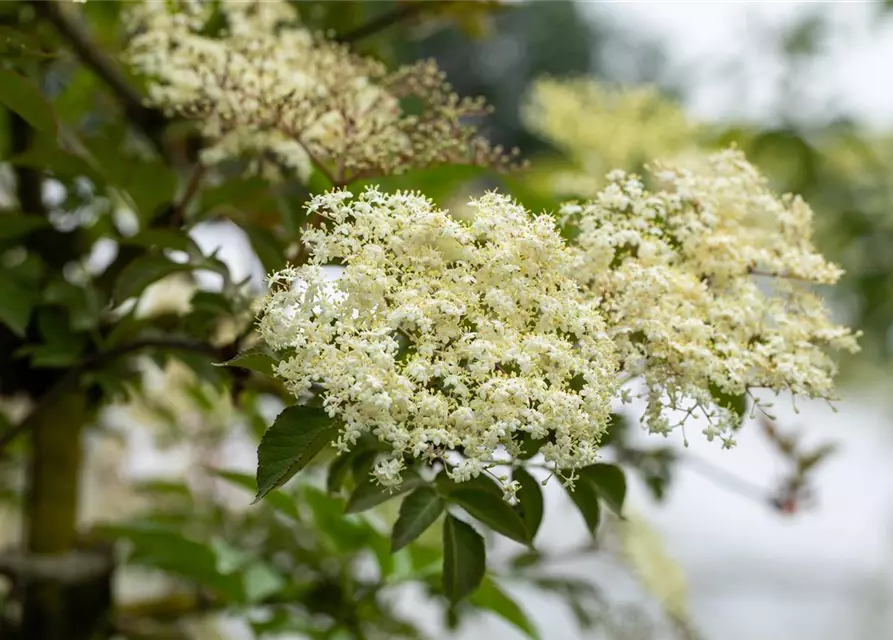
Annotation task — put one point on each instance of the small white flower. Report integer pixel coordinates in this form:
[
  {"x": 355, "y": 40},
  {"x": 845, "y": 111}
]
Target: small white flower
[
  {"x": 387, "y": 472},
  {"x": 708, "y": 285},
  {"x": 492, "y": 345}
]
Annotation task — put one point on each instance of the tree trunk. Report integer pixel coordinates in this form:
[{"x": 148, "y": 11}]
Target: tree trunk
[{"x": 66, "y": 604}]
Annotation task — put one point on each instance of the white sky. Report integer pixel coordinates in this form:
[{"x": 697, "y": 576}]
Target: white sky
[{"x": 700, "y": 38}]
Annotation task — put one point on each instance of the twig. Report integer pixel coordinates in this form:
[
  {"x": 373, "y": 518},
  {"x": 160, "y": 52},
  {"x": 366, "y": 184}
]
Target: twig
[
  {"x": 179, "y": 212},
  {"x": 150, "y": 121},
  {"x": 730, "y": 481},
  {"x": 383, "y": 22},
  {"x": 721, "y": 477},
  {"x": 96, "y": 361}
]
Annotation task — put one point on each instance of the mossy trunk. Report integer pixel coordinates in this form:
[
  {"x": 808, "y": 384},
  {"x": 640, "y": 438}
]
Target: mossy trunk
[{"x": 64, "y": 605}]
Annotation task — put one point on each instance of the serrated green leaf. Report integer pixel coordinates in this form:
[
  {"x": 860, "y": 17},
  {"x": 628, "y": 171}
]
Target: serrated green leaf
[
  {"x": 419, "y": 510},
  {"x": 142, "y": 272},
  {"x": 493, "y": 511},
  {"x": 530, "y": 500},
  {"x": 258, "y": 359},
  {"x": 368, "y": 494},
  {"x": 464, "y": 559},
  {"x": 21, "y": 96},
  {"x": 293, "y": 440},
  {"x": 609, "y": 484},
  {"x": 489, "y": 596}
]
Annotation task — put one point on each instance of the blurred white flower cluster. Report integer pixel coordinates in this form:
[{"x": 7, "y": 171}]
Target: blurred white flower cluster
[
  {"x": 445, "y": 336},
  {"x": 600, "y": 128},
  {"x": 707, "y": 285},
  {"x": 263, "y": 86}
]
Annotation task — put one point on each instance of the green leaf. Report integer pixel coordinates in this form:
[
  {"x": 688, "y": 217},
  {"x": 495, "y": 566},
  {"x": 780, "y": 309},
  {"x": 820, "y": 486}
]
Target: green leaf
[
  {"x": 493, "y": 511},
  {"x": 260, "y": 581},
  {"x": 419, "y": 510},
  {"x": 618, "y": 427},
  {"x": 735, "y": 403},
  {"x": 21, "y": 96},
  {"x": 257, "y": 359},
  {"x": 45, "y": 154},
  {"x": 209, "y": 302},
  {"x": 142, "y": 272},
  {"x": 236, "y": 192},
  {"x": 164, "y": 239},
  {"x": 586, "y": 500},
  {"x": 269, "y": 250},
  {"x": 168, "y": 550},
  {"x": 530, "y": 500},
  {"x": 489, "y": 596},
  {"x": 229, "y": 559},
  {"x": 294, "y": 439},
  {"x": 530, "y": 446},
  {"x": 368, "y": 494},
  {"x": 338, "y": 470},
  {"x": 14, "y": 226},
  {"x": 526, "y": 559},
  {"x": 464, "y": 559},
  {"x": 151, "y": 186},
  {"x": 281, "y": 502},
  {"x": 16, "y": 304},
  {"x": 609, "y": 484},
  {"x": 447, "y": 485}
]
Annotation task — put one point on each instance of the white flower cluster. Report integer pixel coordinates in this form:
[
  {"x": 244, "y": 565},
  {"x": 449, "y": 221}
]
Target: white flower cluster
[
  {"x": 600, "y": 128},
  {"x": 444, "y": 338},
  {"x": 264, "y": 86},
  {"x": 708, "y": 285}
]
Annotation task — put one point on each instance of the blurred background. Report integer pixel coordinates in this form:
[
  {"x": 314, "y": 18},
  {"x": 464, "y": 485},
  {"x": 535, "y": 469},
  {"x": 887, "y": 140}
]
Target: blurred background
[
  {"x": 799, "y": 87},
  {"x": 804, "y": 90}
]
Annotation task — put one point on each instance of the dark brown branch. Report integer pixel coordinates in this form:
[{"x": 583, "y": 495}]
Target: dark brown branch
[
  {"x": 150, "y": 121},
  {"x": 95, "y": 361},
  {"x": 179, "y": 211},
  {"x": 383, "y": 22}
]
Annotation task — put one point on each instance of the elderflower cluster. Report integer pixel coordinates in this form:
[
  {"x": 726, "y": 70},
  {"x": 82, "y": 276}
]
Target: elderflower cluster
[
  {"x": 262, "y": 85},
  {"x": 601, "y": 128},
  {"x": 707, "y": 285},
  {"x": 444, "y": 338}
]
